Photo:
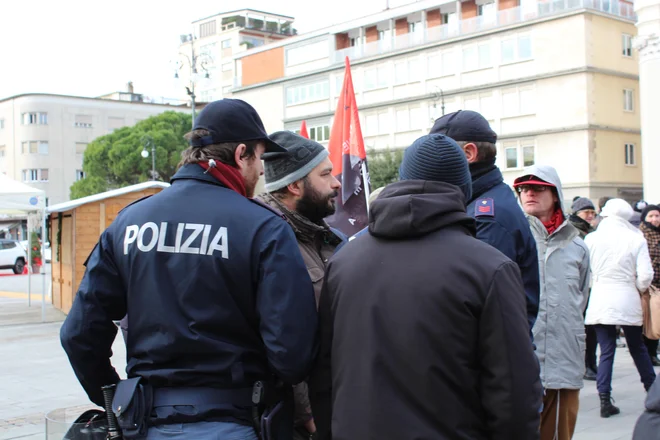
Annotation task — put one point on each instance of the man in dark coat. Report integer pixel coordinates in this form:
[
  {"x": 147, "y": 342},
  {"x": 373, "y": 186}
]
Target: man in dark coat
[
  {"x": 500, "y": 221},
  {"x": 648, "y": 424},
  {"x": 423, "y": 328}
]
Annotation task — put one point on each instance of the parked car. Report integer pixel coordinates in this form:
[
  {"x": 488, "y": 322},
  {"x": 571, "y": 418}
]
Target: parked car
[{"x": 12, "y": 256}]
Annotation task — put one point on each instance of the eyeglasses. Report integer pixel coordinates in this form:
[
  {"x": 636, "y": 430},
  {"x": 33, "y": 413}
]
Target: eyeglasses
[{"x": 535, "y": 188}]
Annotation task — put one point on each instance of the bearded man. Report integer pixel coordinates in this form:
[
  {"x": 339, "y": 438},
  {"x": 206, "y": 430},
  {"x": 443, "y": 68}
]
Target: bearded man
[{"x": 301, "y": 186}]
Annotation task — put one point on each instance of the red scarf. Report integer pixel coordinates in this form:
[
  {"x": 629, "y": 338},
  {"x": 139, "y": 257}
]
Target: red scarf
[
  {"x": 555, "y": 221},
  {"x": 227, "y": 175}
]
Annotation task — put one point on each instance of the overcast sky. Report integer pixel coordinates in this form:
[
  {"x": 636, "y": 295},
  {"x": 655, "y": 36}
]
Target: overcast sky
[{"x": 90, "y": 48}]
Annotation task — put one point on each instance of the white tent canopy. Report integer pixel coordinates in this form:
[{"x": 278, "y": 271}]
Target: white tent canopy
[{"x": 18, "y": 198}]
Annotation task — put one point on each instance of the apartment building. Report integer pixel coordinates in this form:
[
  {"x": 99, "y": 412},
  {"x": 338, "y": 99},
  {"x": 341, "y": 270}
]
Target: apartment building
[
  {"x": 43, "y": 137},
  {"x": 557, "y": 80},
  {"x": 206, "y": 55}
]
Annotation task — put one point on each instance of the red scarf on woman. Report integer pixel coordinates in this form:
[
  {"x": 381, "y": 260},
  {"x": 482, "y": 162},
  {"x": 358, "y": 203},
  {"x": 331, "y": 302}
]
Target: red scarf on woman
[
  {"x": 555, "y": 221},
  {"x": 227, "y": 175}
]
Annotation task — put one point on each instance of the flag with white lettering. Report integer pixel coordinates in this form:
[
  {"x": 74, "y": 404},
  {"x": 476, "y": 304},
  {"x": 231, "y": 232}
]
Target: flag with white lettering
[{"x": 349, "y": 160}]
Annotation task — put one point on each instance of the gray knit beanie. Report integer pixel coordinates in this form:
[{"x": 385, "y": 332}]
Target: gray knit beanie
[
  {"x": 582, "y": 203},
  {"x": 439, "y": 158},
  {"x": 282, "y": 169}
]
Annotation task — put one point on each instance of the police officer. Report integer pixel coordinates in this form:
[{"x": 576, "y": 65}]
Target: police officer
[
  {"x": 215, "y": 288},
  {"x": 500, "y": 220}
]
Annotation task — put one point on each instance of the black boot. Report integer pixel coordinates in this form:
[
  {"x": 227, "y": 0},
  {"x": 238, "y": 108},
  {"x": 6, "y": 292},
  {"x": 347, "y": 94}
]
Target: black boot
[
  {"x": 606, "y": 407},
  {"x": 590, "y": 374}
]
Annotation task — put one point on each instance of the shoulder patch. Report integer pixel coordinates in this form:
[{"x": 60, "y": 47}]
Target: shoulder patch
[
  {"x": 484, "y": 207},
  {"x": 134, "y": 202}
]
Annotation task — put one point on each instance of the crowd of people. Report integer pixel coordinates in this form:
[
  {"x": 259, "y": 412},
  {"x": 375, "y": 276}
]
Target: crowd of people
[{"x": 467, "y": 309}]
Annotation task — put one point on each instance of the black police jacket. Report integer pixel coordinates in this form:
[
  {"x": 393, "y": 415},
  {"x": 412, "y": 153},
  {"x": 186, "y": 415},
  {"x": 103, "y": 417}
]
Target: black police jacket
[{"x": 214, "y": 285}]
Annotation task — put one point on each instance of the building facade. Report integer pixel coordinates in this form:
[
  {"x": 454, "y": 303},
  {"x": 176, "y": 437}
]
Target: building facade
[
  {"x": 43, "y": 137},
  {"x": 648, "y": 44},
  {"x": 215, "y": 40},
  {"x": 557, "y": 80}
]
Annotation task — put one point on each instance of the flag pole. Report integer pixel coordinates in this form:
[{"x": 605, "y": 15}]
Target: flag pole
[{"x": 365, "y": 179}]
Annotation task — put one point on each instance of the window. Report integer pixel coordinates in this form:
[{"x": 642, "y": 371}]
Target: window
[
  {"x": 408, "y": 118},
  {"x": 483, "y": 103},
  {"x": 81, "y": 147},
  {"x": 519, "y": 154},
  {"x": 307, "y": 53},
  {"x": 441, "y": 65},
  {"x": 381, "y": 35},
  {"x": 528, "y": 155},
  {"x": 35, "y": 118},
  {"x": 83, "y": 121},
  {"x": 626, "y": 43},
  {"x": 376, "y": 124},
  {"x": 320, "y": 133},
  {"x": 34, "y": 147},
  {"x": 518, "y": 101},
  {"x": 628, "y": 100},
  {"x": 2, "y": 151},
  {"x": 2, "y": 124},
  {"x": 35, "y": 175},
  {"x": 412, "y": 27},
  {"x": 511, "y": 154},
  {"x": 80, "y": 174},
  {"x": 476, "y": 57},
  {"x": 226, "y": 44},
  {"x": 252, "y": 41},
  {"x": 307, "y": 93},
  {"x": 407, "y": 71},
  {"x": 516, "y": 49},
  {"x": 207, "y": 29},
  {"x": 226, "y": 67},
  {"x": 630, "y": 154},
  {"x": 376, "y": 78}
]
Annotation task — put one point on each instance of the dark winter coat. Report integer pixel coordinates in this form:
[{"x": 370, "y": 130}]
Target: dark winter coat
[{"x": 424, "y": 331}]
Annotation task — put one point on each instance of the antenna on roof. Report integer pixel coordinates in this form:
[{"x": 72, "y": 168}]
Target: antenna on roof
[{"x": 387, "y": 4}]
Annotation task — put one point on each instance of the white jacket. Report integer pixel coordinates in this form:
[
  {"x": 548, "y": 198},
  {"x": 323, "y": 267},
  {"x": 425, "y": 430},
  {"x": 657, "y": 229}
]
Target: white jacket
[{"x": 621, "y": 268}]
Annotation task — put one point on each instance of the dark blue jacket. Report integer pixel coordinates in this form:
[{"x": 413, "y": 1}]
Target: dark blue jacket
[
  {"x": 216, "y": 291},
  {"x": 502, "y": 224}
]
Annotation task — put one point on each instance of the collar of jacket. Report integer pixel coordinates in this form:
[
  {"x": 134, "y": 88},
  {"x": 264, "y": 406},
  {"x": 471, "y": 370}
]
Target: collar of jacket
[
  {"x": 195, "y": 172},
  {"x": 305, "y": 230},
  {"x": 485, "y": 182},
  {"x": 566, "y": 231},
  {"x": 581, "y": 224}
]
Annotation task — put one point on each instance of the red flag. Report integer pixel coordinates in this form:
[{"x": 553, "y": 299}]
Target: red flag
[
  {"x": 349, "y": 160},
  {"x": 303, "y": 130}
]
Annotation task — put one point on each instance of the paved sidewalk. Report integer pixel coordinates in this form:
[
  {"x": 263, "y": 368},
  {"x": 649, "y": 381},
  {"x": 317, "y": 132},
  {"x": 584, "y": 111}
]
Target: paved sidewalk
[{"x": 35, "y": 378}]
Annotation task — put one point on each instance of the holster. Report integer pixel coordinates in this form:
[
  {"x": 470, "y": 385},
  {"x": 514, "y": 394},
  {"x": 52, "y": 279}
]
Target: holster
[
  {"x": 132, "y": 406},
  {"x": 268, "y": 400}
]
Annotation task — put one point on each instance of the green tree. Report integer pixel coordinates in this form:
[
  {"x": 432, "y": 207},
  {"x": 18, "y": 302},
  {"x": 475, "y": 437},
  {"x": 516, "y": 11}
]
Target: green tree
[
  {"x": 383, "y": 166},
  {"x": 114, "y": 160}
]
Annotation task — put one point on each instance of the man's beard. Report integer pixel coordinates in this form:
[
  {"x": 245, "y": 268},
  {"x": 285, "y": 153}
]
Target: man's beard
[{"x": 315, "y": 206}]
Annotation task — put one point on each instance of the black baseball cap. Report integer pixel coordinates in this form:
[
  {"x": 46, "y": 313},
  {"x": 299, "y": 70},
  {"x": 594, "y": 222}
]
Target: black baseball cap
[
  {"x": 466, "y": 126},
  {"x": 232, "y": 120}
]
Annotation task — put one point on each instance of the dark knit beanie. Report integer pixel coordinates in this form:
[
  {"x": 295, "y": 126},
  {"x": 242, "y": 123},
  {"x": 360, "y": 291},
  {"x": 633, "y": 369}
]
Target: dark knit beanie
[
  {"x": 303, "y": 155},
  {"x": 465, "y": 125},
  {"x": 648, "y": 209},
  {"x": 439, "y": 158},
  {"x": 580, "y": 204}
]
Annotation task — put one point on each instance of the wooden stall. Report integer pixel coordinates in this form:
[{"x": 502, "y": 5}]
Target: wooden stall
[{"x": 75, "y": 228}]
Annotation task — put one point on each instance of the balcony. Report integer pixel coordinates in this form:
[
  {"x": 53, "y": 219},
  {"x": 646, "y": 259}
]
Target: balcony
[
  {"x": 469, "y": 26},
  {"x": 262, "y": 25}
]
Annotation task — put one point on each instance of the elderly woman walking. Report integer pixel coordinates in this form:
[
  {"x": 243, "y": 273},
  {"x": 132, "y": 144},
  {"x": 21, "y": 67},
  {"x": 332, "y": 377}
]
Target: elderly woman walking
[
  {"x": 621, "y": 270},
  {"x": 650, "y": 227}
]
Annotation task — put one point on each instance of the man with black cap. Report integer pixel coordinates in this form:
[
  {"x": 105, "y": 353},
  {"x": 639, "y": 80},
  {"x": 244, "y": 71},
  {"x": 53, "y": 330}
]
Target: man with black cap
[
  {"x": 215, "y": 290},
  {"x": 500, "y": 221},
  {"x": 423, "y": 328},
  {"x": 301, "y": 186}
]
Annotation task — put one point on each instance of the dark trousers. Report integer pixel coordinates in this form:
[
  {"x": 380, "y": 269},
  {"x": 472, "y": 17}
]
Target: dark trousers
[
  {"x": 592, "y": 345},
  {"x": 651, "y": 346},
  {"x": 606, "y": 335}
]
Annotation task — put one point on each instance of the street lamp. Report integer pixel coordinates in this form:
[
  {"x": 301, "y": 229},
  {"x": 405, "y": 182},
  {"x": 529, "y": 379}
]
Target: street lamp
[
  {"x": 196, "y": 64},
  {"x": 145, "y": 154}
]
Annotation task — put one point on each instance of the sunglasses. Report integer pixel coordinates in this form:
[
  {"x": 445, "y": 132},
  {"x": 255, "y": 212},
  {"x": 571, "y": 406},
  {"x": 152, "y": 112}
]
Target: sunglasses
[{"x": 535, "y": 188}]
